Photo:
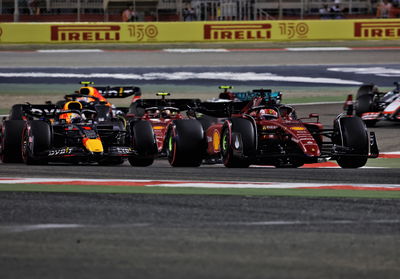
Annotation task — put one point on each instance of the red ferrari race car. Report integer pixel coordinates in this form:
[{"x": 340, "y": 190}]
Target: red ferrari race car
[
  {"x": 164, "y": 114},
  {"x": 75, "y": 131},
  {"x": 255, "y": 128},
  {"x": 372, "y": 105}
]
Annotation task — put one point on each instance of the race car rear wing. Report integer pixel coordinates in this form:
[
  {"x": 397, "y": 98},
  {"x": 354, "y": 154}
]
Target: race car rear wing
[
  {"x": 32, "y": 111},
  {"x": 181, "y": 104},
  {"x": 269, "y": 95},
  {"x": 119, "y": 92},
  {"x": 219, "y": 109}
]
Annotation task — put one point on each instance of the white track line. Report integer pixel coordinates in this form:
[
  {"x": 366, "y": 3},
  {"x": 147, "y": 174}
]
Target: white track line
[
  {"x": 317, "y": 48},
  {"x": 195, "y": 50},
  {"x": 271, "y": 223},
  {"x": 69, "y": 50},
  {"x": 310, "y": 223}
]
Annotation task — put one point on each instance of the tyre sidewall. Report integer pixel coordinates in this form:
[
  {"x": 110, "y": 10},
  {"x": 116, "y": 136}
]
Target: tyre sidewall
[
  {"x": 37, "y": 139},
  {"x": 11, "y": 141},
  {"x": 185, "y": 143}
]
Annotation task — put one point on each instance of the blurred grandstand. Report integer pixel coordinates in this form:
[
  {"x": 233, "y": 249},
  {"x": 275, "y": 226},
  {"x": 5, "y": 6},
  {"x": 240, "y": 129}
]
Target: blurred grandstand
[{"x": 173, "y": 10}]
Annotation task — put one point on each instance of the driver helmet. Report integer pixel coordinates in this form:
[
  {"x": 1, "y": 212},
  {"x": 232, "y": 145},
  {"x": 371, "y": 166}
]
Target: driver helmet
[
  {"x": 154, "y": 113},
  {"x": 71, "y": 117},
  {"x": 268, "y": 113},
  {"x": 166, "y": 113},
  {"x": 91, "y": 91}
]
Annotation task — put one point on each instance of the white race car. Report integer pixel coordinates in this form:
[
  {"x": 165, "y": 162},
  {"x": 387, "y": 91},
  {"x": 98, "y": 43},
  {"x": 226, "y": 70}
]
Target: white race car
[{"x": 372, "y": 105}]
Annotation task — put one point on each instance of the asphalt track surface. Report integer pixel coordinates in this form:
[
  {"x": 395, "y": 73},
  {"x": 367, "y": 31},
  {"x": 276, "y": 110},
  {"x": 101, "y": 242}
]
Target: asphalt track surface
[
  {"x": 160, "y": 58},
  {"x": 48, "y": 235}
]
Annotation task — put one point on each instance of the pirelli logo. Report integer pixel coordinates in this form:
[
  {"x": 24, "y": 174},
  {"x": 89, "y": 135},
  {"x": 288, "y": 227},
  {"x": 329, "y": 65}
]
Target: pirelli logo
[
  {"x": 387, "y": 29},
  {"x": 85, "y": 33},
  {"x": 237, "y": 31}
]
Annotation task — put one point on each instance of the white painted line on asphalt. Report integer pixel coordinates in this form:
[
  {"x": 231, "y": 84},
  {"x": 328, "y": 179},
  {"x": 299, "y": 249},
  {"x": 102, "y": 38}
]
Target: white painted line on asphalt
[
  {"x": 233, "y": 76},
  {"x": 36, "y": 227},
  {"x": 310, "y": 223},
  {"x": 317, "y": 48},
  {"x": 195, "y": 50},
  {"x": 69, "y": 50},
  {"x": 377, "y": 71}
]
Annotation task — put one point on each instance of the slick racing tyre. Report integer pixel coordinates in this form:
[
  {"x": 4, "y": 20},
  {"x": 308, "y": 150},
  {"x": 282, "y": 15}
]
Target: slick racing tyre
[
  {"x": 238, "y": 143},
  {"x": 365, "y": 102},
  {"x": 364, "y": 99},
  {"x": 36, "y": 139},
  {"x": 143, "y": 142},
  {"x": 11, "y": 141},
  {"x": 351, "y": 133},
  {"x": 185, "y": 143}
]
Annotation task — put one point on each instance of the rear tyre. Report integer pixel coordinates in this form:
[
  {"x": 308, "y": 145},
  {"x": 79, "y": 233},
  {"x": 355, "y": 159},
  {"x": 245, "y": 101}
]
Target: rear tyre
[
  {"x": 365, "y": 102},
  {"x": 238, "y": 143},
  {"x": 364, "y": 99},
  {"x": 11, "y": 141},
  {"x": 36, "y": 139},
  {"x": 185, "y": 143},
  {"x": 351, "y": 133},
  {"x": 143, "y": 142}
]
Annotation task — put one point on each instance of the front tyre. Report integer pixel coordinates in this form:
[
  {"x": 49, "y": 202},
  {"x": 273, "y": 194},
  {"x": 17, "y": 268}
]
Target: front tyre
[
  {"x": 365, "y": 99},
  {"x": 185, "y": 143},
  {"x": 238, "y": 143},
  {"x": 143, "y": 142},
  {"x": 11, "y": 141},
  {"x": 36, "y": 140},
  {"x": 352, "y": 134}
]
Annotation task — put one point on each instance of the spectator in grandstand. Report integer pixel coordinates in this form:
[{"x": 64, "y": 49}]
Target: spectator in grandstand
[
  {"x": 33, "y": 6},
  {"x": 336, "y": 11},
  {"x": 324, "y": 12},
  {"x": 128, "y": 14},
  {"x": 383, "y": 9},
  {"x": 189, "y": 14},
  {"x": 395, "y": 9}
]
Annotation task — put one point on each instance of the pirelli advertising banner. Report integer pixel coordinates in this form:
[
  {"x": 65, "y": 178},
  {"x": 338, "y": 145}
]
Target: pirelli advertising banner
[{"x": 211, "y": 31}]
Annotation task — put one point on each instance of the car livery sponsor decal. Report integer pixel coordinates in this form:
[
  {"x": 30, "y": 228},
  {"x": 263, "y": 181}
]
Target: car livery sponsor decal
[
  {"x": 85, "y": 33},
  {"x": 237, "y": 32},
  {"x": 387, "y": 29},
  {"x": 143, "y": 32},
  {"x": 60, "y": 151}
]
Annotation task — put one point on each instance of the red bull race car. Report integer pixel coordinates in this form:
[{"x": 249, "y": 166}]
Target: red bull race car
[
  {"x": 373, "y": 106},
  {"x": 75, "y": 131},
  {"x": 245, "y": 128}
]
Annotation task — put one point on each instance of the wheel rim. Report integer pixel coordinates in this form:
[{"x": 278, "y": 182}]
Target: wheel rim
[
  {"x": 224, "y": 142},
  {"x": 170, "y": 143}
]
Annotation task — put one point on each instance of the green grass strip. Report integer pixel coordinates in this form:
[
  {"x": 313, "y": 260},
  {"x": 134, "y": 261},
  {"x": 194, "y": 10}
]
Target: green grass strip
[
  {"x": 384, "y": 163},
  {"x": 199, "y": 191}
]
